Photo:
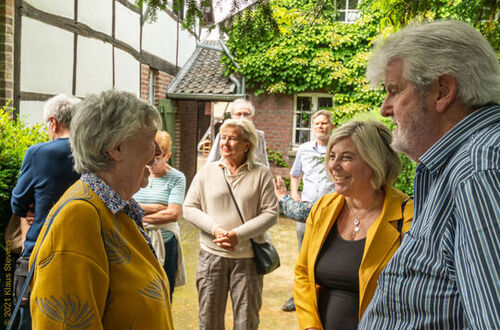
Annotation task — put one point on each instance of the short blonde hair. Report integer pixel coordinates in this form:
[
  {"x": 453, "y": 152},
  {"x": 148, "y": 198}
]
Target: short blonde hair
[
  {"x": 247, "y": 132},
  {"x": 373, "y": 141},
  {"x": 164, "y": 141}
]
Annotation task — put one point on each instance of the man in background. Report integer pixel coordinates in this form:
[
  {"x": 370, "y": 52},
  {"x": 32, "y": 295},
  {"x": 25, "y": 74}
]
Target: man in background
[
  {"x": 241, "y": 108},
  {"x": 46, "y": 173},
  {"x": 310, "y": 168}
]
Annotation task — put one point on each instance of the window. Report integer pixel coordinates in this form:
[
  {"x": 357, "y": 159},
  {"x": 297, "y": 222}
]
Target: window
[
  {"x": 348, "y": 12},
  {"x": 305, "y": 106}
]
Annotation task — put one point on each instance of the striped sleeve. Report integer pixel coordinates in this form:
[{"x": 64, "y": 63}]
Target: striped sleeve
[
  {"x": 478, "y": 248},
  {"x": 178, "y": 189}
]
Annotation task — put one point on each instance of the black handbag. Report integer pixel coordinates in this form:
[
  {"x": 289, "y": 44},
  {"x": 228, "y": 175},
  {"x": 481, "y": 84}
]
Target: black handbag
[{"x": 266, "y": 257}]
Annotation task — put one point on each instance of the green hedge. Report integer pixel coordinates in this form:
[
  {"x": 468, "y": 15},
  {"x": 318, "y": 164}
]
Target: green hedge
[{"x": 15, "y": 137}]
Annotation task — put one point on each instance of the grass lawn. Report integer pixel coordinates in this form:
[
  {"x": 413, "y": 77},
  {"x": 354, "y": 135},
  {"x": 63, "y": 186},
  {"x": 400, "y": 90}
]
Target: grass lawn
[{"x": 278, "y": 285}]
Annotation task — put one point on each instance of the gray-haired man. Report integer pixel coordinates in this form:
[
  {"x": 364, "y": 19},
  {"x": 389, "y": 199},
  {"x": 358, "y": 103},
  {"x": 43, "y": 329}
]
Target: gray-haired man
[
  {"x": 46, "y": 173},
  {"x": 443, "y": 88},
  {"x": 241, "y": 108}
]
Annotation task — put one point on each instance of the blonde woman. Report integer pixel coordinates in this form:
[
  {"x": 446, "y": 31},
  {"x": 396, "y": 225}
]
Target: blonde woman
[{"x": 162, "y": 201}]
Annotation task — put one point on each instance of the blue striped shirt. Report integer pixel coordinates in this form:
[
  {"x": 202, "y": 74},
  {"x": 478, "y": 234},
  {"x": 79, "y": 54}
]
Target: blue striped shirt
[{"x": 446, "y": 274}]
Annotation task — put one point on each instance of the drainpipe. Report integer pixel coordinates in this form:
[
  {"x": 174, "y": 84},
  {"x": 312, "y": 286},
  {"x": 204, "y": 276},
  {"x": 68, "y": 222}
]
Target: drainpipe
[
  {"x": 238, "y": 85},
  {"x": 226, "y": 50}
]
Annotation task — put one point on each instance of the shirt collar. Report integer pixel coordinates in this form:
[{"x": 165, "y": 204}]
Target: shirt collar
[
  {"x": 247, "y": 164},
  {"x": 111, "y": 199},
  {"x": 447, "y": 145}
]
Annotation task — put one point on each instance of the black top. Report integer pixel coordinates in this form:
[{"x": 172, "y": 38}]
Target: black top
[{"x": 336, "y": 271}]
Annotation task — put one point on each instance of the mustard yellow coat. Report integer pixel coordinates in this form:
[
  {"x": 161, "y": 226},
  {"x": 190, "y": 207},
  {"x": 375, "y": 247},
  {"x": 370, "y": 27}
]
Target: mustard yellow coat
[
  {"x": 382, "y": 240},
  {"x": 95, "y": 270}
]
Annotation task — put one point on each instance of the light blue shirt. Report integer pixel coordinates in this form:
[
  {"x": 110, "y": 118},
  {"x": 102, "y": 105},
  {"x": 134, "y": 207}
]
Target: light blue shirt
[
  {"x": 310, "y": 164},
  {"x": 446, "y": 273}
]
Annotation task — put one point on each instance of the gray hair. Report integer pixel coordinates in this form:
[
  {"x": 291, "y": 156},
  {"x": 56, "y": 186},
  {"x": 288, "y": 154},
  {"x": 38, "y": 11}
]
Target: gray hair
[
  {"x": 102, "y": 122},
  {"x": 433, "y": 49},
  {"x": 373, "y": 141},
  {"x": 248, "y": 134},
  {"x": 241, "y": 102},
  {"x": 325, "y": 113},
  {"x": 61, "y": 107}
]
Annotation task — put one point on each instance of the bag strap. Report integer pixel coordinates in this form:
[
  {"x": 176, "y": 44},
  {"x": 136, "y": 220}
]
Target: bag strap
[
  {"x": 32, "y": 269},
  {"x": 232, "y": 195},
  {"x": 400, "y": 222}
]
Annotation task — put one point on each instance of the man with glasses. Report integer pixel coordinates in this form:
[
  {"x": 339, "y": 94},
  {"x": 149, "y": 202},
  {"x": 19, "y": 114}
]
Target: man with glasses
[{"x": 241, "y": 108}]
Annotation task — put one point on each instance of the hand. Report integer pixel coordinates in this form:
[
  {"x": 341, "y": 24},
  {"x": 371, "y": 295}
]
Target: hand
[
  {"x": 279, "y": 187},
  {"x": 296, "y": 196},
  {"x": 30, "y": 216},
  {"x": 227, "y": 241}
]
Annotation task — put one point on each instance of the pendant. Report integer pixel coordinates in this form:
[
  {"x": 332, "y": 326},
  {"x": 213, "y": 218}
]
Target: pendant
[{"x": 356, "y": 225}]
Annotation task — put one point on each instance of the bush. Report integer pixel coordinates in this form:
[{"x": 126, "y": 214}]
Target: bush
[
  {"x": 276, "y": 158},
  {"x": 15, "y": 137}
]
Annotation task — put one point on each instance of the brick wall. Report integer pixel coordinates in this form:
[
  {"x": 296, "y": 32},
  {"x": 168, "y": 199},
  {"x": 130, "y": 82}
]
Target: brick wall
[
  {"x": 144, "y": 82},
  {"x": 274, "y": 115},
  {"x": 161, "y": 82},
  {"x": 6, "y": 51}
]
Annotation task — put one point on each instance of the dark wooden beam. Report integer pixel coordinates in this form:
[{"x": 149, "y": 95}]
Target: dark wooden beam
[
  {"x": 131, "y": 6},
  {"x": 30, "y": 96},
  {"x": 158, "y": 63},
  {"x": 84, "y": 30}
]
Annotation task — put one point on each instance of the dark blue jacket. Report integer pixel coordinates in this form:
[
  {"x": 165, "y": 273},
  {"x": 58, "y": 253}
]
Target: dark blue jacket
[{"x": 46, "y": 173}]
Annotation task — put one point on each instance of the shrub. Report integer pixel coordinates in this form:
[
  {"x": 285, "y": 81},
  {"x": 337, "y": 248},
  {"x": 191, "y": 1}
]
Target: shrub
[
  {"x": 15, "y": 137},
  {"x": 276, "y": 158}
]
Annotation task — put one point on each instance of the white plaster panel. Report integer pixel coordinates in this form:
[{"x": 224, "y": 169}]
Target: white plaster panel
[
  {"x": 31, "y": 111},
  {"x": 93, "y": 66},
  {"x": 65, "y": 8},
  {"x": 127, "y": 26},
  {"x": 127, "y": 72},
  {"x": 159, "y": 37},
  {"x": 46, "y": 58},
  {"x": 187, "y": 45},
  {"x": 97, "y": 14}
]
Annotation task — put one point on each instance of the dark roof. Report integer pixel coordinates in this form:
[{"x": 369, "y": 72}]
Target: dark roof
[{"x": 202, "y": 75}]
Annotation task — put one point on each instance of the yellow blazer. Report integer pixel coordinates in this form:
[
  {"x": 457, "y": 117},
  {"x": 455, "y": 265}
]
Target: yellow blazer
[
  {"x": 95, "y": 270},
  {"x": 382, "y": 240}
]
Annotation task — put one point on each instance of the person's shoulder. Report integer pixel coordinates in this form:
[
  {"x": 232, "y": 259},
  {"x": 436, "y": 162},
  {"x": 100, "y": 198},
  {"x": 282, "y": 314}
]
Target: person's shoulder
[
  {"x": 259, "y": 167},
  {"x": 484, "y": 148},
  {"x": 176, "y": 173},
  {"x": 209, "y": 168},
  {"x": 327, "y": 200},
  {"x": 57, "y": 145},
  {"x": 306, "y": 146}
]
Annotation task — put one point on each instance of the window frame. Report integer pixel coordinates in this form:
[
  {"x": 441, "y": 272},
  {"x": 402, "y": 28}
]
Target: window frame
[
  {"x": 348, "y": 11},
  {"x": 314, "y": 107}
]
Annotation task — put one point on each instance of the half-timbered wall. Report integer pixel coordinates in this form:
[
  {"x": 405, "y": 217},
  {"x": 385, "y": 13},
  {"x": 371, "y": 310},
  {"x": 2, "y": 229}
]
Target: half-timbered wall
[{"x": 86, "y": 46}]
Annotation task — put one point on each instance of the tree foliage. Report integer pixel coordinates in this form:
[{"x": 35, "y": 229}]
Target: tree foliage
[
  {"x": 15, "y": 137},
  {"x": 307, "y": 50}
]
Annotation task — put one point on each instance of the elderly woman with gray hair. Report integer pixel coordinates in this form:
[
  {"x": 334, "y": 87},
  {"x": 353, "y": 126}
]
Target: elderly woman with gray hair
[
  {"x": 93, "y": 264},
  {"x": 225, "y": 261}
]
